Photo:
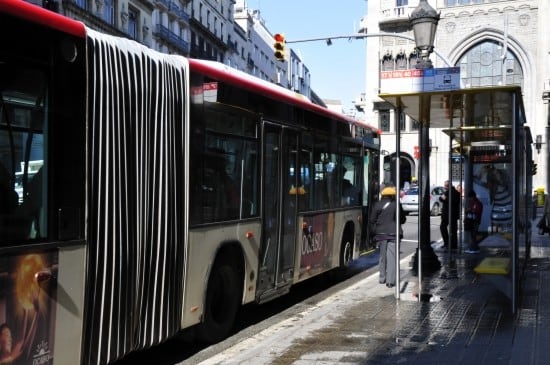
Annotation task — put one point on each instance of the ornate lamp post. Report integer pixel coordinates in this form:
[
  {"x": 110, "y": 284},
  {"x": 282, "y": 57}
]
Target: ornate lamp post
[{"x": 424, "y": 21}]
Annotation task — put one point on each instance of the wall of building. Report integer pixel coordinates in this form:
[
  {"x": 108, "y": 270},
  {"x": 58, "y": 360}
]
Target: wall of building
[{"x": 519, "y": 25}]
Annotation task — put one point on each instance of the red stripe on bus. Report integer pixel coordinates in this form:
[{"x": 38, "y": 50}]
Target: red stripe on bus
[
  {"x": 36, "y": 14},
  {"x": 224, "y": 73}
]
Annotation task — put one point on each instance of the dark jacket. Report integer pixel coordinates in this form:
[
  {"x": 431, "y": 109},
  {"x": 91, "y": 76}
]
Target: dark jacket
[
  {"x": 472, "y": 216},
  {"x": 383, "y": 217},
  {"x": 455, "y": 197}
]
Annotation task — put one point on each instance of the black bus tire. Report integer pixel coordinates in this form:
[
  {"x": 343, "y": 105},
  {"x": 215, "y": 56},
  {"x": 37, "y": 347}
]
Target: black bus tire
[
  {"x": 346, "y": 253},
  {"x": 221, "y": 305}
]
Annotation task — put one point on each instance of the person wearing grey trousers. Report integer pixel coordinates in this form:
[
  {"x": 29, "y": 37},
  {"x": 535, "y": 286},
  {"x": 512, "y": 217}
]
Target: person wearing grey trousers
[{"x": 383, "y": 223}]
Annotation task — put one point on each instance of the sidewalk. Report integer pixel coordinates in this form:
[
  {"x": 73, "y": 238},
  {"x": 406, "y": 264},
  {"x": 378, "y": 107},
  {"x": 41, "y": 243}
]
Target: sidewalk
[{"x": 463, "y": 320}]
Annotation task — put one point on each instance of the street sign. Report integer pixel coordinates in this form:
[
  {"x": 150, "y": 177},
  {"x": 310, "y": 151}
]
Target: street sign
[
  {"x": 442, "y": 79},
  {"x": 423, "y": 80}
]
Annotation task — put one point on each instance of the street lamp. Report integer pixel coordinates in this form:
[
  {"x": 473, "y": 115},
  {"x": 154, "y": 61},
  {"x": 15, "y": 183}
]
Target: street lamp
[{"x": 423, "y": 21}]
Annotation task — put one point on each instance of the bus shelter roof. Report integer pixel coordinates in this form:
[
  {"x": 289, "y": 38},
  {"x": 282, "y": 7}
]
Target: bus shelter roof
[{"x": 480, "y": 113}]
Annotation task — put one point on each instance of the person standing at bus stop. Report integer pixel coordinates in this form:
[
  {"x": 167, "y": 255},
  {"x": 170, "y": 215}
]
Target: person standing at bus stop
[
  {"x": 449, "y": 225},
  {"x": 472, "y": 219},
  {"x": 383, "y": 223}
]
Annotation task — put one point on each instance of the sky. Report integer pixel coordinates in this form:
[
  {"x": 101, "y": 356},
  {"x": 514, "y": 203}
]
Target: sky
[{"x": 337, "y": 71}]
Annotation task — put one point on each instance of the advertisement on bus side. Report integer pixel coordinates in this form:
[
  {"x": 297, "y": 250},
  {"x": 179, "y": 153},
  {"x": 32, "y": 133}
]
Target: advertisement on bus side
[
  {"x": 27, "y": 308},
  {"x": 316, "y": 244}
]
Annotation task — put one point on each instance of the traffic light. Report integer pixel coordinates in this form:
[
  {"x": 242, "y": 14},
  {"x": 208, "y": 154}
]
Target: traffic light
[
  {"x": 533, "y": 168},
  {"x": 279, "y": 46}
]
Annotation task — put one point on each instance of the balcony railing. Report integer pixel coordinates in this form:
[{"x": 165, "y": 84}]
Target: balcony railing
[
  {"x": 179, "y": 12},
  {"x": 164, "y": 3},
  {"x": 397, "y": 12},
  {"x": 171, "y": 38},
  {"x": 395, "y": 18}
]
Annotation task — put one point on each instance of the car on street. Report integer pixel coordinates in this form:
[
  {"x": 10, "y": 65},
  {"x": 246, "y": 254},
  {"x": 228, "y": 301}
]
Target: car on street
[{"x": 410, "y": 200}]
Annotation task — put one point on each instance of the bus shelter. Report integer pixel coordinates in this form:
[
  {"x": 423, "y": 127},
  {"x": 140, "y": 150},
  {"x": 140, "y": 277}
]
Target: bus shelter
[{"x": 490, "y": 138}]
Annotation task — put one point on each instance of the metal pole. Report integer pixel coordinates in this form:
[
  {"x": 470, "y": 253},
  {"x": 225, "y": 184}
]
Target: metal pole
[
  {"x": 428, "y": 257},
  {"x": 423, "y": 187},
  {"x": 547, "y": 157},
  {"x": 515, "y": 201},
  {"x": 398, "y": 200}
]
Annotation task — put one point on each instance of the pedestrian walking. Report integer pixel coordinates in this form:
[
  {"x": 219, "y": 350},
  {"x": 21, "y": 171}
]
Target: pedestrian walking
[
  {"x": 473, "y": 211},
  {"x": 544, "y": 222},
  {"x": 383, "y": 223},
  {"x": 449, "y": 225}
]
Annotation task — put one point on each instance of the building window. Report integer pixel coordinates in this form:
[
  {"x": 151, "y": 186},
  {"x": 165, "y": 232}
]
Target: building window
[
  {"x": 482, "y": 66},
  {"x": 82, "y": 3},
  {"x": 401, "y": 2},
  {"x": 384, "y": 116},
  {"x": 413, "y": 59},
  {"x": 132, "y": 22},
  {"x": 387, "y": 62},
  {"x": 401, "y": 61},
  {"x": 402, "y": 121},
  {"x": 109, "y": 12},
  {"x": 414, "y": 124}
]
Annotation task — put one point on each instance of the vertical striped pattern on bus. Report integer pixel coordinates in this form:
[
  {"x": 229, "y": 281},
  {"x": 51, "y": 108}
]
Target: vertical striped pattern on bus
[{"x": 134, "y": 292}]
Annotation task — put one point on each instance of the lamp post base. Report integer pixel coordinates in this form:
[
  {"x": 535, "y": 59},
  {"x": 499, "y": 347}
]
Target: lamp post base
[{"x": 430, "y": 262}]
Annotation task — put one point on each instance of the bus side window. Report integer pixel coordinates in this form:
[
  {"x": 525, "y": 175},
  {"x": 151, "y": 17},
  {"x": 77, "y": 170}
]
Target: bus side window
[
  {"x": 9, "y": 200},
  {"x": 31, "y": 208}
]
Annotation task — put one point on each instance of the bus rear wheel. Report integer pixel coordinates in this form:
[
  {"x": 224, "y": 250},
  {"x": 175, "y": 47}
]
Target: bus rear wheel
[
  {"x": 222, "y": 304},
  {"x": 346, "y": 254}
]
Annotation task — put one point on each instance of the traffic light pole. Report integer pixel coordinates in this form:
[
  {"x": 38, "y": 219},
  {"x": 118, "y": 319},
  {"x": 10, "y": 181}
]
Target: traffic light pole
[{"x": 367, "y": 35}]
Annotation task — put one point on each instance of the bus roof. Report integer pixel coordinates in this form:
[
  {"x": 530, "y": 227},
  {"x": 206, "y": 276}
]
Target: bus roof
[
  {"x": 36, "y": 14},
  {"x": 225, "y": 73}
]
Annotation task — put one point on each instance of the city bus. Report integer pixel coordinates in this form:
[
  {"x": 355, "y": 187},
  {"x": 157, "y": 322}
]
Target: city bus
[{"x": 144, "y": 194}]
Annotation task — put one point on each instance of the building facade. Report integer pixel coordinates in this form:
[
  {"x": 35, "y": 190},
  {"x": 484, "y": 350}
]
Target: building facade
[
  {"x": 494, "y": 42},
  {"x": 227, "y": 31}
]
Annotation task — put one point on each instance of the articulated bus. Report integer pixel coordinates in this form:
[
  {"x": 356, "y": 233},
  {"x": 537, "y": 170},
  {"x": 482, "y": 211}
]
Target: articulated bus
[{"x": 143, "y": 194}]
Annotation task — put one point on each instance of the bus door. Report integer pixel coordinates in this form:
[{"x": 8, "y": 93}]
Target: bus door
[
  {"x": 370, "y": 195},
  {"x": 279, "y": 211}
]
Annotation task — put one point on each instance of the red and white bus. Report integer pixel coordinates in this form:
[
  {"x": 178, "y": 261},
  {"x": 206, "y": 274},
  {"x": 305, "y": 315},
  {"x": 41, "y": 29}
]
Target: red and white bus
[{"x": 144, "y": 193}]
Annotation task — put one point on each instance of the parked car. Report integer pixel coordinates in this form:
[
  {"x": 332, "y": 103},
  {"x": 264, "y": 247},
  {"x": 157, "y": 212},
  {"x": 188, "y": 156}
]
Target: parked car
[{"x": 409, "y": 201}]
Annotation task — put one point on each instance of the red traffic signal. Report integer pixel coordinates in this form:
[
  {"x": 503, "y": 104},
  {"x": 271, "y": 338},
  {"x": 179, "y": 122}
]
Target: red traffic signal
[{"x": 279, "y": 46}]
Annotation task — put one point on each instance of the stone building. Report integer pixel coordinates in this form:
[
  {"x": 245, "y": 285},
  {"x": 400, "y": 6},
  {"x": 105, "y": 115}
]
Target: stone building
[{"x": 495, "y": 42}]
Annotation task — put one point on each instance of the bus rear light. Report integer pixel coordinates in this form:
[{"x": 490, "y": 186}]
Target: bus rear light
[{"x": 249, "y": 234}]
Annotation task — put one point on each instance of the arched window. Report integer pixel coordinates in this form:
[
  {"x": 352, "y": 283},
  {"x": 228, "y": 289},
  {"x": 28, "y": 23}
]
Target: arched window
[
  {"x": 387, "y": 62},
  {"x": 413, "y": 57},
  {"x": 401, "y": 61},
  {"x": 483, "y": 65}
]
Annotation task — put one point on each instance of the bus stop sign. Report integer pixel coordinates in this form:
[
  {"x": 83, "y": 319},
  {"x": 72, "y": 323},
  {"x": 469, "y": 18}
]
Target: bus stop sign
[{"x": 422, "y": 80}]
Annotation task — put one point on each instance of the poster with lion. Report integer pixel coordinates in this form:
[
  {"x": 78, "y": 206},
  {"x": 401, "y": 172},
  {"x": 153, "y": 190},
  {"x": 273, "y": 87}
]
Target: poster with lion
[{"x": 27, "y": 308}]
